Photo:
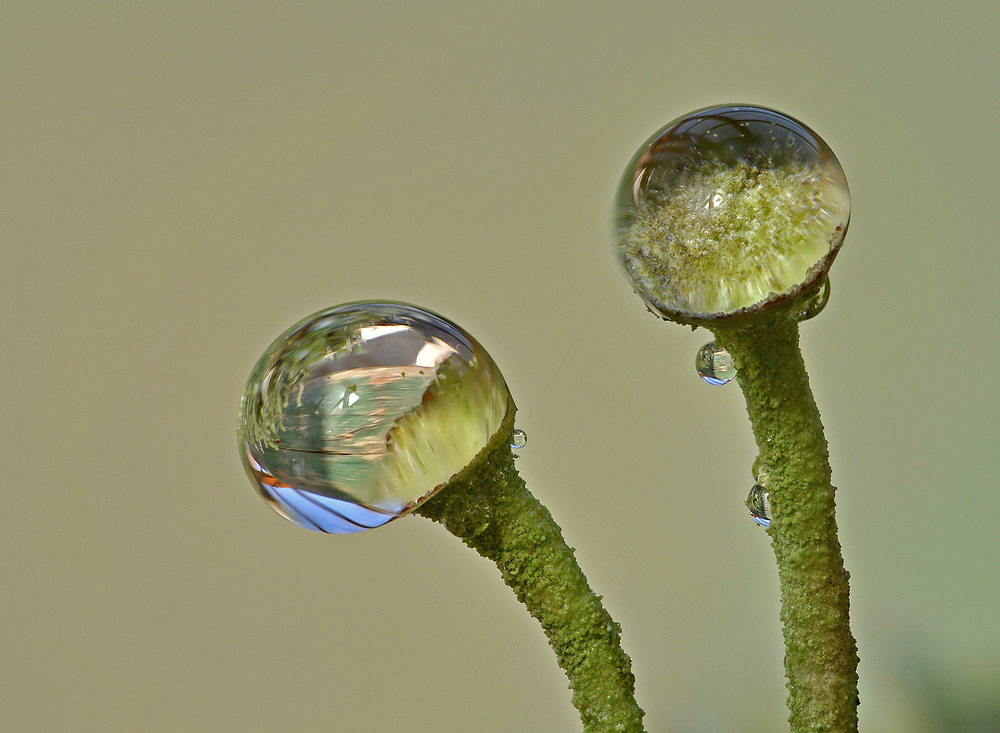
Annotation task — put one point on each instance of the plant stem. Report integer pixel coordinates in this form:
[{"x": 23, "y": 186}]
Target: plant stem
[
  {"x": 821, "y": 655},
  {"x": 517, "y": 533}
]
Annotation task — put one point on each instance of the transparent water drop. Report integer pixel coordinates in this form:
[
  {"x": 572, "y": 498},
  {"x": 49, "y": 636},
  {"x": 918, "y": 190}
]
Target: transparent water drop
[
  {"x": 714, "y": 365},
  {"x": 813, "y": 305},
  {"x": 759, "y": 504},
  {"x": 728, "y": 208},
  {"x": 519, "y": 439},
  {"x": 360, "y": 412}
]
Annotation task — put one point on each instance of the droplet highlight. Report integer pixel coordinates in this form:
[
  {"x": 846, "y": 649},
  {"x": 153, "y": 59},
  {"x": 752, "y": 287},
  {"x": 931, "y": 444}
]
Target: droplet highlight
[
  {"x": 714, "y": 365},
  {"x": 519, "y": 439},
  {"x": 759, "y": 504},
  {"x": 729, "y": 208},
  {"x": 358, "y": 413}
]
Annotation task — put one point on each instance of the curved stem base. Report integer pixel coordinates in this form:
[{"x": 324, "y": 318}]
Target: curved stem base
[{"x": 515, "y": 531}]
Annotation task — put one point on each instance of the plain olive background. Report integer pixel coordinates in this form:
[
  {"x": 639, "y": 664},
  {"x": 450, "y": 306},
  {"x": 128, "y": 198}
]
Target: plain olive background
[{"x": 180, "y": 182}]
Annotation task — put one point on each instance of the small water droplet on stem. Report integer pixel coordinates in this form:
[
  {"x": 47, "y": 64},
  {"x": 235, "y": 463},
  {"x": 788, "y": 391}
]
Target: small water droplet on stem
[
  {"x": 814, "y": 305},
  {"x": 759, "y": 504},
  {"x": 714, "y": 365}
]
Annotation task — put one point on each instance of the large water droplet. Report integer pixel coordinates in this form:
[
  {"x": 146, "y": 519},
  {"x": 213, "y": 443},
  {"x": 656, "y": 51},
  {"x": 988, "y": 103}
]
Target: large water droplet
[
  {"x": 759, "y": 504},
  {"x": 519, "y": 439},
  {"x": 714, "y": 365},
  {"x": 360, "y": 412},
  {"x": 728, "y": 208}
]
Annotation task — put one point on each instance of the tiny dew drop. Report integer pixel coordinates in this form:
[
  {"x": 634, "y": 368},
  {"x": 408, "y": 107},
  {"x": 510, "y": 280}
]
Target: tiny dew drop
[
  {"x": 714, "y": 365},
  {"x": 814, "y": 304},
  {"x": 519, "y": 439},
  {"x": 759, "y": 504}
]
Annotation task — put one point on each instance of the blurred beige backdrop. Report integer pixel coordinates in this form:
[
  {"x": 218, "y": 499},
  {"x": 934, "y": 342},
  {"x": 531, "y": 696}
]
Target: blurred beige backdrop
[{"x": 182, "y": 181}]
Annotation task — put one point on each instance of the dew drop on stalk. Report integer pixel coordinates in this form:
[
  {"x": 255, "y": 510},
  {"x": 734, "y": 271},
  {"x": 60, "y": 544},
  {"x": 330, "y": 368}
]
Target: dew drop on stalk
[
  {"x": 812, "y": 305},
  {"x": 759, "y": 504},
  {"x": 357, "y": 414},
  {"x": 714, "y": 365},
  {"x": 519, "y": 439}
]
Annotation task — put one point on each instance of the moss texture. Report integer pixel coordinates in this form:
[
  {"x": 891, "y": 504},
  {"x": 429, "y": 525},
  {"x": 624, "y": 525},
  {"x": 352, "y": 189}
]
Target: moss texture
[
  {"x": 821, "y": 658},
  {"x": 489, "y": 506}
]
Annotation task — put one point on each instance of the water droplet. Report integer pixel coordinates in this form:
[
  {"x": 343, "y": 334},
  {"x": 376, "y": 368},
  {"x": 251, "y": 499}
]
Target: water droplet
[
  {"x": 759, "y": 504},
  {"x": 812, "y": 305},
  {"x": 728, "y": 208},
  {"x": 360, "y": 412},
  {"x": 519, "y": 439},
  {"x": 714, "y": 365}
]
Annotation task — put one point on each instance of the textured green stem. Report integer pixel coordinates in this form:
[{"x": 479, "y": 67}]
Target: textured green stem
[
  {"x": 489, "y": 506},
  {"x": 821, "y": 658}
]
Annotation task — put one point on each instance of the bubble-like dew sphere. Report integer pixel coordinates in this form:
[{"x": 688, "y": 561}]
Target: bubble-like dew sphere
[
  {"x": 714, "y": 365},
  {"x": 360, "y": 412},
  {"x": 759, "y": 504},
  {"x": 519, "y": 439},
  {"x": 729, "y": 208}
]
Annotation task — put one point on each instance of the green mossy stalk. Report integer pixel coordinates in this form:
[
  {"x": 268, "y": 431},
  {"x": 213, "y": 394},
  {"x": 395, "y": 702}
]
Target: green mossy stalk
[
  {"x": 528, "y": 547},
  {"x": 821, "y": 655}
]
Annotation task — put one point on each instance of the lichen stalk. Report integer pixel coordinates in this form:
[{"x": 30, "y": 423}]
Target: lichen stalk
[
  {"x": 821, "y": 658},
  {"x": 534, "y": 560}
]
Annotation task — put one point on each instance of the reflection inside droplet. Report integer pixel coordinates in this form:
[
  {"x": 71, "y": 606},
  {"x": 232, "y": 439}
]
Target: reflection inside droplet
[
  {"x": 360, "y": 412},
  {"x": 726, "y": 208},
  {"x": 519, "y": 439},
  {"x": 714, "y": 365},
  {"x": 715, "y": 200}
]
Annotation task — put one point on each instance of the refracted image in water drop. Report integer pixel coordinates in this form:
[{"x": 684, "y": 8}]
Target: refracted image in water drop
[
  {"x": 519, "y": 439},
  {"x": 360, "y": 412},
  {"x": 714, "y": 365},
  {"x": 759, "y": 504},
  {"x": 728, "y": 208}
]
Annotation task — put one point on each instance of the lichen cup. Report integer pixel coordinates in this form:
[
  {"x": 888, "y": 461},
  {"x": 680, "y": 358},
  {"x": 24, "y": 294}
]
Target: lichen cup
[{"x": 729, "y": 218}]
